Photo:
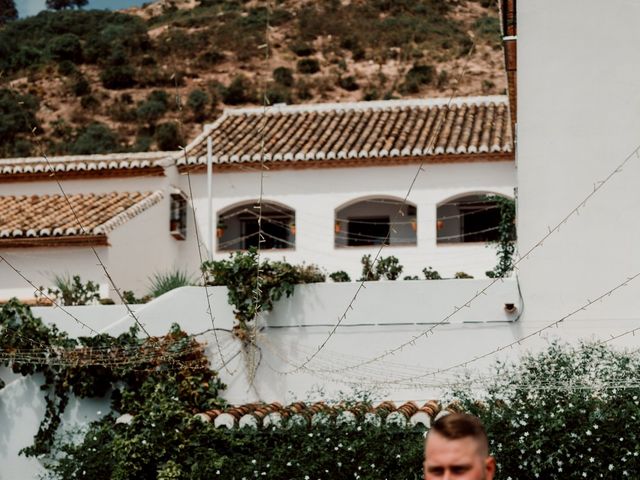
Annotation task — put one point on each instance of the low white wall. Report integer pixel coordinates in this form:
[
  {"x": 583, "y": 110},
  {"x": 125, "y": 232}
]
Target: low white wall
[{"x": 385, "y": 315}]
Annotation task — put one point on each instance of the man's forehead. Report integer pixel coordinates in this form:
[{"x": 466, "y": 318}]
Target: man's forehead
[{"x": 439, "y": 445}]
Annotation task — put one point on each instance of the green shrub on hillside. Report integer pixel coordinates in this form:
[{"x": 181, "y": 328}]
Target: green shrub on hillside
[
  {"x": 95, "y": 138},
  {"x": 66, "y": 47},
  {"x": 17, "y": 117},
  {"x": 118, "y": 77},
  {"x": 416, "y": 77},
  {"x": 283, "y": 76},
  {"x": 198, "y": 101},
  {"x": 240, "y": 90},
  {"x": 308, "y": 65},
  {"x": 167, "y": 136}
]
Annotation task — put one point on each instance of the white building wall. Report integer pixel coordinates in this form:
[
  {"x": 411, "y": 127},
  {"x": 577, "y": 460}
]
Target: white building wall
[
  {"x": 315, "y": 194},
  {"x": 579, "y": 117}
]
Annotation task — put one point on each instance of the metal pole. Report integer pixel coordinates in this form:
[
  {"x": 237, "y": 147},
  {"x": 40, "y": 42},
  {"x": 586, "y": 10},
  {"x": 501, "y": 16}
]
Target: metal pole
[{"x": 209, "y": 197}]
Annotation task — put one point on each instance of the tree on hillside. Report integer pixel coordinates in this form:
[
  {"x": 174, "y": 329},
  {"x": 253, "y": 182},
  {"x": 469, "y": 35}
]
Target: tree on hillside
[
  {"x": 63, "y": 4},
  {"x": 8, "y": 11}
]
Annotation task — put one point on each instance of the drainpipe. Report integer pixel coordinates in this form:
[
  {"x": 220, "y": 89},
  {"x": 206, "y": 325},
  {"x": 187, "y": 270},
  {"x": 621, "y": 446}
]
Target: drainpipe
[{"x": 209, "y": 197}]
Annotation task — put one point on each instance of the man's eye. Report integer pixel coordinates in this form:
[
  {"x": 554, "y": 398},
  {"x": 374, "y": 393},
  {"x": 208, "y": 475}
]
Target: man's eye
[
  {"x": 460, "y": 469},
  {"x": 436, "y": 471}
]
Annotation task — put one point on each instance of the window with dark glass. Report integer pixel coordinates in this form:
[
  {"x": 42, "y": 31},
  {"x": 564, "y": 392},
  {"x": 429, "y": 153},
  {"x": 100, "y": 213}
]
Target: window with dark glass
[
  {"x": 178, "y": 218},
  {"x": 469, "y": 219},
  {"x": 374, "y": 222},
  {"x": 238, "y": 228}
]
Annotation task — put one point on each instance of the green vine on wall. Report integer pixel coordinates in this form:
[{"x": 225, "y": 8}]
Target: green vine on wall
[
  {"x": 506, "y": 243},
  {"x": 251, "y": 293},
  {"x": 69, "y": 366}
]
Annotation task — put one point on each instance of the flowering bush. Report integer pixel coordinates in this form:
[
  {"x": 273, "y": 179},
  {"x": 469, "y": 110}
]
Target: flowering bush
[{"x": 566, "y": 413}]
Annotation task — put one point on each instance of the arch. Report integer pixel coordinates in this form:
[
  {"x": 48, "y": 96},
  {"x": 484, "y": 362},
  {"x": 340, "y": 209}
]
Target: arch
[
  {"x": 468, "y": 217},
  {"x": 237, "y": 226},
  {"x": 374, "y": 220}
]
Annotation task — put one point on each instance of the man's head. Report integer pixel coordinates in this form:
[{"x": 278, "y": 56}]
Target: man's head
[{"x": 457, "y": 448}]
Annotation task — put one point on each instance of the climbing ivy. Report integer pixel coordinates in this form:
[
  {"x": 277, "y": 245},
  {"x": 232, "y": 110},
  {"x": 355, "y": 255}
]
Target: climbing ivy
[
  {"x": 506, "y": 243},
  {"x": 68, "y": 366},
  {"x": 251, "y": 290}
]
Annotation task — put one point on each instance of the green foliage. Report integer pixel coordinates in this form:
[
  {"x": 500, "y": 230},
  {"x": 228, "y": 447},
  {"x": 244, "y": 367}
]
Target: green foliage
[
  {"x": 8, "y": 11},
  {"x": 431, "y": 274},
  {"x": 197, "y": 101},
  {"x": 283, "y": 76},
  {"x": 251, "y": 293},
  {"x": 62, "y": 4},
  {"x": 308, "y": 65},
  {"x": 91, "y": 36},
  {"x": 117, "y": 77},
  {"x": 302, "y": 49},
  {"x": 80, "y": 85},
  {"x": 488, "y": 28},
  {"x": 95, "y": 138},
  {"x": 72, "y": 291},
  {"x": 277, "y": 93},
  {"x": 348, "y": 83},
  {"x": 17, "y": 117},
  {"x": 386, "y": 268},
  {"x": 416, "y": 77},
  {"x": 66, "y": 47},
  {"x": 147, "y": 449},
  {"x": 161, "y": 283},
  {"x": 506, "y": 243},
  {"x": 240, "y": 90},
  {"x": 167, "y": 136},
  {"x": 340, "y": 276},
  {"x": 151, "y": 110},
  {"x": 462, "y": 275},
  {"x": 131, "y": 299},
  {"x": 66, "y": 68},
  {"x": 178, "y": 369},
  {"x": 538, "y": 429}
]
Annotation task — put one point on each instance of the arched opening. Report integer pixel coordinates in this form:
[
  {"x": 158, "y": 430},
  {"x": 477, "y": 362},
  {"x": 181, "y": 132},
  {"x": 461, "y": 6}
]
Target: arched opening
[
  {"x": 468, "y": 219},
  {"x": 237, "y": 227},
  {"x": 374, "y": 221}
]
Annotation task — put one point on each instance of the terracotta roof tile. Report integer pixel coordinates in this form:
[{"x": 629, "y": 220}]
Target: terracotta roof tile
[
  {"x": 51, "y": 216},
  {"x": 335, "y": 132},
  {"x": 83, "y": 164},
  {"x": 274, "y": 414}
]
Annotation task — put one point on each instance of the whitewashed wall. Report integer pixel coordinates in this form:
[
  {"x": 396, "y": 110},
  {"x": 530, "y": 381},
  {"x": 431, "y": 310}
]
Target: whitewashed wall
[
  {"x": 315, "y": 195},
  {"x": 137, "y": 249},
  {"x": 579, "y": 117}
]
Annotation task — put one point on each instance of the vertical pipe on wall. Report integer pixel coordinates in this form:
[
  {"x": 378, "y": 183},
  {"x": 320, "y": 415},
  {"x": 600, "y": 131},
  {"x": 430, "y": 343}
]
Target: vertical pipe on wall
[{"x": 209, "y": 198}]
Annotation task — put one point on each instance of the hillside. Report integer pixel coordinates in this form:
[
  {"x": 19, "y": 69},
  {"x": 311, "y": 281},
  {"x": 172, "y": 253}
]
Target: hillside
[{"x": 147, "y": 78}]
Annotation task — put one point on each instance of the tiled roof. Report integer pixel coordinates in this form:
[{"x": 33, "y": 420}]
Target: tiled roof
[
  {"x": 49, "y": 216},
  {"x": 338, "y": 133},
  {"x": 83, "y": 165},
  {"x": 258, "y": 415}
]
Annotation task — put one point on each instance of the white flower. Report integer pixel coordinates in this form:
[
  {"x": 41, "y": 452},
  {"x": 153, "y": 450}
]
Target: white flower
[
  {"x": 610, "y": 466},
  {"x": 253, "y": 461},
  {"x": 588, "y": 433}
]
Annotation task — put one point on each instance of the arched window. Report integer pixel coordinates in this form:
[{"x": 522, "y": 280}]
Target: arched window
[
  {"x": 468, "y": 219},
  {"x": 237, "y": 227},
  {"x": 375, "y": 221}
]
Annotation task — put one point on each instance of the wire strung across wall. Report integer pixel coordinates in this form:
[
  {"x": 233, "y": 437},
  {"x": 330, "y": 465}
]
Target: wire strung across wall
[{"x": 597, "y": 186}]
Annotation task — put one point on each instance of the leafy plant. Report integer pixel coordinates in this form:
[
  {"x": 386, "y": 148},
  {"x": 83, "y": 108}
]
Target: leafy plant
[
  {"x": 251, "y": 293},
  {"x": 72, "y": 291},
  {"x": 283, "y": 76},
  {"x": 167, "y": 136},
  {"x": 161, "y": 283},
  {"x": 95, "y": 138},
  {"x": 387, "y": 268},
  {"x": 462, "y": 275},
  {"x": 197, "y": 101},
  {"x": 308, "y": 65},
  {"x": 569, "y": 412},
  {"x": 431, "y": 274},
  {"x": 506, "y": 243},
  {"x": 240, "y": 90},
  {"x": 340, "y": 276}
]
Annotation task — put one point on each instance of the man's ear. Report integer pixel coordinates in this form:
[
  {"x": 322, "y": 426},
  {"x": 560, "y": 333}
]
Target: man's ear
[{"x": 490, "y": 467}]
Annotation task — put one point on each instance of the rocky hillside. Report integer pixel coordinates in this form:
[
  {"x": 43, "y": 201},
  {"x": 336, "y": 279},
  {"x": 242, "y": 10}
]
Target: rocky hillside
[{"x": 147, "y": 78}]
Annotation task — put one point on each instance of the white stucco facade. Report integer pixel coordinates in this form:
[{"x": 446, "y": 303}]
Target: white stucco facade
[
  {"x": 578, "y": 119},
  {"x": 316, "y": 194}
]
